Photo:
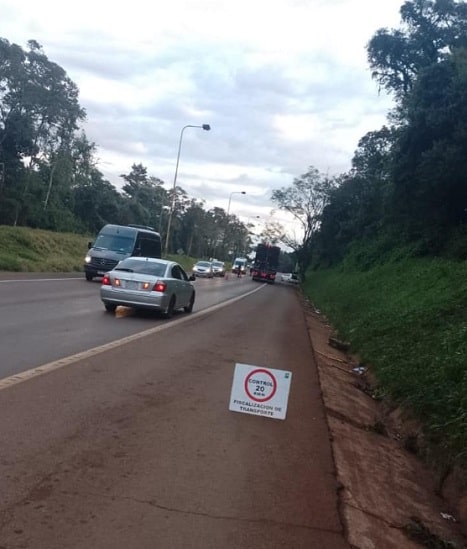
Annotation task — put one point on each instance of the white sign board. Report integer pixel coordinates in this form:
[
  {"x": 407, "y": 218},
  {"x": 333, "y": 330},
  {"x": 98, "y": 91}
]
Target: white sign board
[{"x": 260, "y": 391}]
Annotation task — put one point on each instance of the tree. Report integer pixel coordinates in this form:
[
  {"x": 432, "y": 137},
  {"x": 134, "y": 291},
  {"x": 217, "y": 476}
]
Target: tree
[
  {"x": 213, "y": 231},
  {"x": 180, "y": 202},
  {"x": 357, "y": 207},
  {"x": 272, "y": 232},
  {"x": 145, "y": 196},
  {"x": 431, "y": 162},
  {"x": 193, "y": 226},
  {"x": 97, "y": 202},
  {"x": 431, "y": 30},
  {"x": 39, "y": 113},
  {"x": 305, "y": 200}
]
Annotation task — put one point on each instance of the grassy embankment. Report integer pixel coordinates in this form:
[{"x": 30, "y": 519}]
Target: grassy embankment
[
  {"x": 34, "y": 250},
  {"x": 406, "y": 317}
]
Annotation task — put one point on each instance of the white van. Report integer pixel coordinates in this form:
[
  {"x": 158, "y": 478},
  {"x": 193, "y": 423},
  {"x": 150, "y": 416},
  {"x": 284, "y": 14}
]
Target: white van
[
  {"x": 239, "y": 265},
  {"x": 116, "y": 242}
]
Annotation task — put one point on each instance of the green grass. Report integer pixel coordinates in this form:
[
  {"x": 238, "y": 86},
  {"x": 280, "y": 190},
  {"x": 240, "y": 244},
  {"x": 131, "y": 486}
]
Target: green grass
[
  {"x": 408, "y": 320},
  {"x": 34, "y": 250}
]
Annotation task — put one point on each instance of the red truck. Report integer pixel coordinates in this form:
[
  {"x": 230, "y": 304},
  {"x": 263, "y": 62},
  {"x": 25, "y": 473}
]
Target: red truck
[{"x": 266, "y": 262}]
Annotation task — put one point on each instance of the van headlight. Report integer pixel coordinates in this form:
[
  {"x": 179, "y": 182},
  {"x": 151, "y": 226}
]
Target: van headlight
[{"x": 87, "y": 259}]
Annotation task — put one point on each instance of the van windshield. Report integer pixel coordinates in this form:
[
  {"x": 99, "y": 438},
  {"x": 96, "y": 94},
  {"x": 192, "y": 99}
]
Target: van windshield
[{"x": 115, "y": 243}]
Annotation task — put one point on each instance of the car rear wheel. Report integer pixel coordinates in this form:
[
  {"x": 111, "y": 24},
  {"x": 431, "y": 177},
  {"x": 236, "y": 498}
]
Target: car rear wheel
[
  {"x": 110, "y": 307},
  {"x": 189, "y": 307},
  {"x": 89, "y": 277},
  {"x": 170, "y": 308}
]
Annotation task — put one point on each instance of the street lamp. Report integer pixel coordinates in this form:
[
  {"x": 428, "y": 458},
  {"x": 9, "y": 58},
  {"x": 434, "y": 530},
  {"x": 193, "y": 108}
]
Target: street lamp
[
  {"x": 228, "y": 211},
  {"x": 205, "y": 127},
  {"x": 164, "y": 207},
  {"x": 230, "y": 198}
]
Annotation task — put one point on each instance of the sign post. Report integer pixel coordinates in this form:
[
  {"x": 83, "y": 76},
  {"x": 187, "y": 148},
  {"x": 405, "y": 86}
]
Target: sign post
[{"x": 260, "y": 391}]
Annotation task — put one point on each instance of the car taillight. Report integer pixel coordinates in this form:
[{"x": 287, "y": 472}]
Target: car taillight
[
  {"x": 159, "y": 286},
  {"x": 106, "y": 280}
]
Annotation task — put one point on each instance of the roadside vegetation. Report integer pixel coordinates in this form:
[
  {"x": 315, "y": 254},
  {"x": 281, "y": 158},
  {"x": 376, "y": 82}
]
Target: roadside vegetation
[
  {"x": 406, "y": 319},
  {"x": 384, "y": 246},
  {"x": 35, "y": 250}
]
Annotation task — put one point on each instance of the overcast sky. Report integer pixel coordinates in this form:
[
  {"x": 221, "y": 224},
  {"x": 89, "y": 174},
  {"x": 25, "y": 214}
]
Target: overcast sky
[{"x": 284, "y": 84}]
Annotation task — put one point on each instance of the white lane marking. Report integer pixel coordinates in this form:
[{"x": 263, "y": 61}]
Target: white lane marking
[
  {"x": 66, "y": 361},
  {"x": 40, "y": 279}
]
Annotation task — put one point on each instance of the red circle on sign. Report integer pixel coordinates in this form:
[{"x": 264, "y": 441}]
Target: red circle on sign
[{"x": 274, "y": 385}]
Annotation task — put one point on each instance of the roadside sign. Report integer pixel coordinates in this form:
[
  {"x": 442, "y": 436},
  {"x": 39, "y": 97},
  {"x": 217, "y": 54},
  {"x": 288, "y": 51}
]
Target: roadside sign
[{"x": 260, "y": 391}]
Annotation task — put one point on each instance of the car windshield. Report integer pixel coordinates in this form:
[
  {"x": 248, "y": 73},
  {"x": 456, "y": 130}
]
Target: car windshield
[
  {"x": 203, "y": 264},
  {"x": 152, "y": 268},
  {"x": 217, "y": 264},
  {"x": 115, "y": 243}
]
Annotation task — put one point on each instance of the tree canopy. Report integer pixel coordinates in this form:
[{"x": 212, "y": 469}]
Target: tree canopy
[
  {"x": 305, "y": 200},
  {"x": 407, "y": 179},
  {"x": 49, "y": 176}
]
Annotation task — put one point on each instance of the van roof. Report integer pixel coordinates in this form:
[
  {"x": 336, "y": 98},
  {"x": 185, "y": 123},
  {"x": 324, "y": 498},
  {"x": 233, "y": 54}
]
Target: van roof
[
  {"x": 130, "y": 228},
  {"x": 141, "y": 227}
]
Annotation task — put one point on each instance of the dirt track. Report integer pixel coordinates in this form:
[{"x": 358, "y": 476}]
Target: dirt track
[{"x": 136, "y": 448}]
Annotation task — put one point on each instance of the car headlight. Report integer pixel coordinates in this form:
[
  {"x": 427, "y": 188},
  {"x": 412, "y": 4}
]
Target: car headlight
[{"x": 87, "y": 259}]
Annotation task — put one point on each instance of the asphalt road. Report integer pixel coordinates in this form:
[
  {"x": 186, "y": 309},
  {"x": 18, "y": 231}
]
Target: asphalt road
[
  {"x": 47, "y": 317},
  {"x": 135, "y": 447}
]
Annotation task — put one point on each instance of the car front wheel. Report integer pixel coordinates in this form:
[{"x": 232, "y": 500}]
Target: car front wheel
[{"x": 110, "y": 307}]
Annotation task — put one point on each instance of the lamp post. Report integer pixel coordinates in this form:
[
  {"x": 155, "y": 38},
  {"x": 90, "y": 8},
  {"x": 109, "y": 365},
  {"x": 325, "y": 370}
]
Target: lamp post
[
  {"x": 230, "y": 199},
  {"x": 205, "y": 127},
  {"x": 228, "y": 211}
]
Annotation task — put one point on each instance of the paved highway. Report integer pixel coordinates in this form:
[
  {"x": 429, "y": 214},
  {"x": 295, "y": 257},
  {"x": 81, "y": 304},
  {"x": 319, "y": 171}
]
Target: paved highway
[
  {"x": 135, "y": 447},
  {"x": 44, "y": 318}
]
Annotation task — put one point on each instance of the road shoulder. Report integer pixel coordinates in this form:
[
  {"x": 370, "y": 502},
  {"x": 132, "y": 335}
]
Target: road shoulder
[{"x": 387, "y": 497}]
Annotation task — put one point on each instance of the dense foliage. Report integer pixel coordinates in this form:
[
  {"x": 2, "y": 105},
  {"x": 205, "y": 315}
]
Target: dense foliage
[
  {"x": 408, "y": 179},
  {"x": 388, "y": 241},
  {"x": 406, "y": 318}
]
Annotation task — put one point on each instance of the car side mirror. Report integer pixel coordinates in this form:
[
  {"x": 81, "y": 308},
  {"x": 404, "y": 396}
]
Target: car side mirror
[{"x": 89, "y": 245}]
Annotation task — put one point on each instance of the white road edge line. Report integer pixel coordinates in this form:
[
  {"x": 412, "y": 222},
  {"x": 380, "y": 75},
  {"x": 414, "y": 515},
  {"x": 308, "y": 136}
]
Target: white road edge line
[
  {"x": 66, "y": 361},
  {"x": 38, "y": 279}
]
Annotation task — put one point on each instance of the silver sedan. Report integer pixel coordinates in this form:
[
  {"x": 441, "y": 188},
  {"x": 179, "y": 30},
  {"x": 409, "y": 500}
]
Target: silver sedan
[
  {"x": 147, "y": 283},
  {"x": 203, "y": 269}
]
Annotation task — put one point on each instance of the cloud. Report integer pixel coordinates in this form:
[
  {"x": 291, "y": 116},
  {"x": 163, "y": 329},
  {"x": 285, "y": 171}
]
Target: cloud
[{"x": 283, "y": 84}]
